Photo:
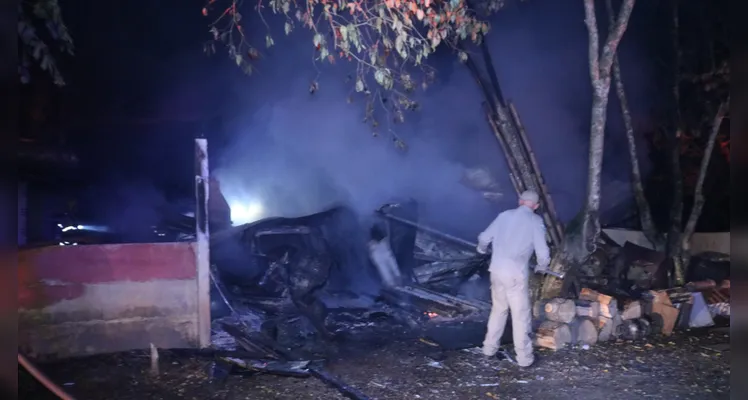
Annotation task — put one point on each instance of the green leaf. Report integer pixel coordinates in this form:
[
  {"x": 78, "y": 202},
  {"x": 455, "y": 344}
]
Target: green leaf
[
  {"x": 288, "y": 28},
  {"x": 400, "y": 46},
  {"x": 359, "y": 85},
  {"x": 239, "y": 59},
  {"x": 318, "y": 39},
  {"x": 463, "y": 56},
  {"x": 353, "y": 36},
  {"x": 269, "y": 41},
  {"x": 383, "y": 76},
  {"x": 343, "y": 33},
  {"x": 378, "y": 25}
]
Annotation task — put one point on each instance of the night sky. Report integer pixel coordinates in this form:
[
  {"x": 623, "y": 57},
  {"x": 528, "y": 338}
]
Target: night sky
[{"x": 140, "y": 89}]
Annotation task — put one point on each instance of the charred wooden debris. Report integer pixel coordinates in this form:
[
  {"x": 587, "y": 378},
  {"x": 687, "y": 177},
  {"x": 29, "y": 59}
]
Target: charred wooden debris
[{"x": 287, "y": 291}]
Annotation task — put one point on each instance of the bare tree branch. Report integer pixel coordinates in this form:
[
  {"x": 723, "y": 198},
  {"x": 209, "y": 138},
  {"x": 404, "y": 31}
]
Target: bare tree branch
[
  {"x": 590, "y": 19},
  {"x": 645, "y": 213},
  {"x": 600, "y": 80},
  {"x": 675, "y": 232},
  {"x": 699, "y": 200},
  {"x": 615, "y": 33}
]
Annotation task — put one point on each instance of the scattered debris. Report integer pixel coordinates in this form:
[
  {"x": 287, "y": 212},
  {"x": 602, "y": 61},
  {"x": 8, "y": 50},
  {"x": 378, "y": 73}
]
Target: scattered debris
[{"x": 154, "y": 360}]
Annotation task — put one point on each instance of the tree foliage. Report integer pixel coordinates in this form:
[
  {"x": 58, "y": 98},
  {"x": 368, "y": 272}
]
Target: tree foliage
[
  {"x": 40, "y": 47},
  {"x": 388, "y": 40}
]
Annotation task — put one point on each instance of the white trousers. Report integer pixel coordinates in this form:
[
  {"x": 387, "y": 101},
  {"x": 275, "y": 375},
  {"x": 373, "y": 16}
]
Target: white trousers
[{"x": 510, "y": 292}]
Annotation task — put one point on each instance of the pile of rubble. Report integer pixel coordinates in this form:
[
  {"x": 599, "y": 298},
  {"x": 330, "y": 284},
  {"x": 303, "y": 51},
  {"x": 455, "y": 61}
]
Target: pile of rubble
[{"x": 422, "y": 273}]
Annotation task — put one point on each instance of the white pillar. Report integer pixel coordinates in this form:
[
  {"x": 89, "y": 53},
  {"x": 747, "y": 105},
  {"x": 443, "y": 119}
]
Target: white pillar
[{"x": 202, "y": 247}]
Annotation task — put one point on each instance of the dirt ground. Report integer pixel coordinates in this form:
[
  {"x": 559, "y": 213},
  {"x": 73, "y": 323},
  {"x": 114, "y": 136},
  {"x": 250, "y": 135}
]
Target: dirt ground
[{"x": 688, "y": 365}]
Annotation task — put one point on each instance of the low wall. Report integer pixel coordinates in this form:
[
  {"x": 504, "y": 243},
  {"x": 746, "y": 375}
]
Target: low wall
[
  {"x": 81, "y": 300},
  {"x": 700, "y": 242}
]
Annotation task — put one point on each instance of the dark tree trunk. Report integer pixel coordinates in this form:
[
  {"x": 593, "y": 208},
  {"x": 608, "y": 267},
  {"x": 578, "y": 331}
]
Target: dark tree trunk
[
  {"x": 673, "y": 248},
  {"x": 698, "y": 202},
  {"x": 645, "y": 214},
  {"x": 600, "y": 68},
  {"x": 583, "y": 234}
]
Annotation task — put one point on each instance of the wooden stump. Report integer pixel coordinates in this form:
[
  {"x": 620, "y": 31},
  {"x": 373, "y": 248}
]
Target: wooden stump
[
  {"x": 553, "y": 335},
  {"x": 588, "y": 309},
  {"x": 583, "y": 331},
  {"x": 560, "y": 310}
]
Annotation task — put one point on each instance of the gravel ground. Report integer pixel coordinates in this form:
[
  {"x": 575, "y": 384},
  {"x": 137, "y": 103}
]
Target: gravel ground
[{"x": 688, "y": 365}]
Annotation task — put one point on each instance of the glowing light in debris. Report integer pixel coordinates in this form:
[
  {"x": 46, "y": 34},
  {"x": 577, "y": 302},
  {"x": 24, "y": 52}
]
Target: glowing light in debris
[
  {"x": 69, "y": 228},
  {"x": 242, "y": 213},
  {"x": 431, "y": 314},
  {"x": 96, "y": 228}
]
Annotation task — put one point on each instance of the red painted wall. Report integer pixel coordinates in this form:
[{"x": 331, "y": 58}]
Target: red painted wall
[
  {"x": 116, "y": 293},
  {"x": 49, "y": 274}
]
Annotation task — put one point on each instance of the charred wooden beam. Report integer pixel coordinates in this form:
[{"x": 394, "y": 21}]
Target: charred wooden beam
[
  {"x": 514, "y": 174},
  {"x": 544, "y": 192},
  {"x": 519, "y": 180},
  {"x": 431, "y": 301},
  {"x": 274, "y": 367},
  {"x": 522, "y": 173},
  {"x": 427, "y": 229}
]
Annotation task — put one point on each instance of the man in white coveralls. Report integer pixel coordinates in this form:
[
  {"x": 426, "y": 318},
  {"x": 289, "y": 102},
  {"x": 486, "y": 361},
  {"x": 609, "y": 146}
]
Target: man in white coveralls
[{"x": 513, "y": 236}]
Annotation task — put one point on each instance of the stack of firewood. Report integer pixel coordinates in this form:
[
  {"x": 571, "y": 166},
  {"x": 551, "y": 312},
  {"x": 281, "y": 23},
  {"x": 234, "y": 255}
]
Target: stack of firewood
[{"x": 594, "y": 317}]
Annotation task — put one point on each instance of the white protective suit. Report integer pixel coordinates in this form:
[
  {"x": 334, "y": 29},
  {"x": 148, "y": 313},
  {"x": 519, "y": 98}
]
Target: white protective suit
[{"x": 514, "y": 235}]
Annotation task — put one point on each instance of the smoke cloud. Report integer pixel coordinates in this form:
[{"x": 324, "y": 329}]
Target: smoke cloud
[
  {"x": 294, "y": 153},
  {"x": 299, "y": 153}
]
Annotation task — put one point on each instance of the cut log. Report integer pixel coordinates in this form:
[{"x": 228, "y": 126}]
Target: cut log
[
  {"x": 607, "y": 328},
  {"x": 632, "y": 310},
  {"x": 593, "y": 295},
  {"x": 553, "y": 335},
  {"x": 609, "y": 310},
  {"x": 561, "y": 310},
  {"x": 538, "y": 310},
  {"x": 589, "y": 309},
  {"x": 583, "y": 331}
]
